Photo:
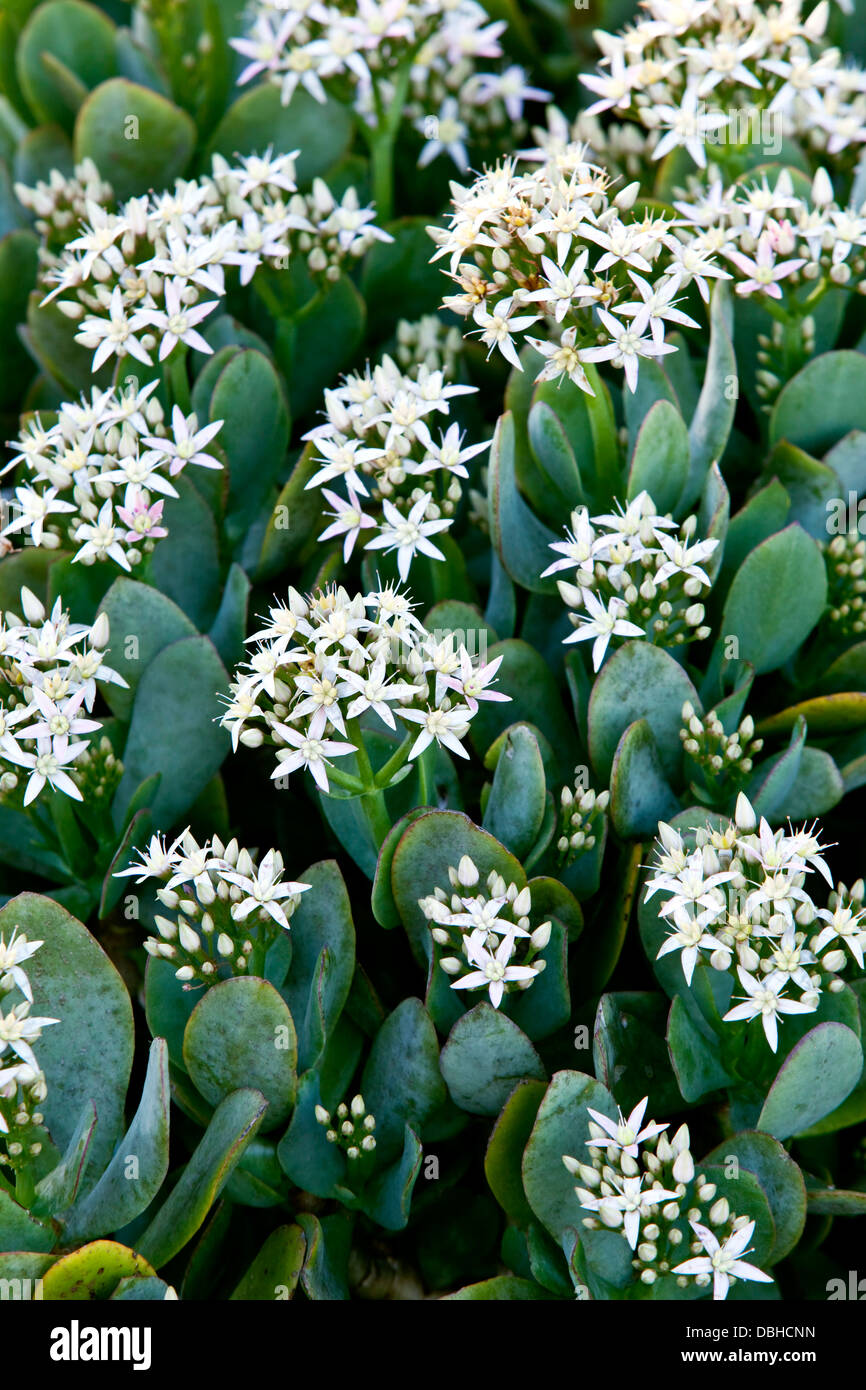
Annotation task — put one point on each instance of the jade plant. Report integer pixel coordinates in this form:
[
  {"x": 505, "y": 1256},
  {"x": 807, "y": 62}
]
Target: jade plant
[{"x": 432, "y": 658}]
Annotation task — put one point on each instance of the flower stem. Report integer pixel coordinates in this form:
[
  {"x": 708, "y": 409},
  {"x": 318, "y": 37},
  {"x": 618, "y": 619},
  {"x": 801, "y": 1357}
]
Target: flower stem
[
  {"x": 177, "y": 379},
  {"x": 385, "y": 775},
  {"x": 423, "y": 788},
  {"x": 372, "y": 798},
  {"x": 382, "y": 138},
  {"x": 25, "y": 1188},
  {"x": 345, "y": 780}
]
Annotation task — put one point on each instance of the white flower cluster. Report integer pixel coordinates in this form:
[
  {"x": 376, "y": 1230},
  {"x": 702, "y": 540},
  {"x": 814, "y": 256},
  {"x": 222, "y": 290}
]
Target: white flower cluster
[
  {"x": 687, "y": 68},
  {"x": 89, "y": 479},
  {"x": 621, "y": 148},
  {"x": 22, "y": 1082},
  {"x": 725, "y": 760},
  {"x": 149, "y": 272},
  {"x": 327, "y": 659},
  {"x": 436, "y": 44},
  {"x": 490, "y": 931},
  {"x": 48, "y": 670},
  {"x": 350, "y": 1127},
  {"x": 581, "y": 816},
  {"x": 739, "y": 901},
  {"x": 400, "y": 482},
  {"x": 639, "y": 1182},
  {"x": 330, "y": 231},
  {"x": 549, "y": 244},
  {"x": 768, "y": 233},
  {"x": 471, "y": 107},
  {"x": 223, "y": 904},
  {"x": 633, "y": 578}
]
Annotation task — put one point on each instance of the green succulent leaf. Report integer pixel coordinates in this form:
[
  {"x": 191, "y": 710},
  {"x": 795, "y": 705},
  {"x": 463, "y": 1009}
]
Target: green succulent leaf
[
  {"x": 823, "y": 402},
  {"x": 402, "y": 1084},
  {"x": 323, "y": 959},
  {"x": 639, "y": 681},
  {"x": 485, "y": 1057},
  {"x": 19, "y": 1231},
  {"x": 640, "y": 795},
  {"x": 779, "y": 1177},
  {"x": 758, "y": 612},
  {"x": 276, "y": 1269},
  {"x": 515, "y": 807},
  {"x": 248, "y": 398},
  {"x": 561, "y": 1127},
  {"x": 135, "y": 1174},
  {"x": 241, "y": 1031},
  {"x": 660, "y": 462},
  {"x": 816, "y": 1076},
  {"x": 522, "y": 542},
  {"x": 66, "y": 48},
  {"x": 135, "y": 137},
  {"x": 172, "y": 727},
  {"x": 508, "y": 1138},
  {"x": 87, "y": 1056},
  {"x": 257, "y": 119},
  {"x": 93, "y": 1271},
  {"x": 231, "y": 1128}
]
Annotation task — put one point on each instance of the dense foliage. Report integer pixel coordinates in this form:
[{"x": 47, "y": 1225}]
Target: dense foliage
[{"x": 432, "y": 648}]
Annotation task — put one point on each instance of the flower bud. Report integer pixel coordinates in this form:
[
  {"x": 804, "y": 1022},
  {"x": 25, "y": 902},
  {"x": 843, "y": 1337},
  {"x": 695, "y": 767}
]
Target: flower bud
[
  {"x": 541, "y": 936},
  {"x": 744, "y": 815}
]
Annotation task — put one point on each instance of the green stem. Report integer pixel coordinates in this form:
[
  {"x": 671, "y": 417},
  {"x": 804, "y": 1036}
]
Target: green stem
[
  {"x": 382, "y": 170},
  {"x": 382, "y": 140},
  {"x": 264, "y": 942},
  {"x": 25, "y": 1188},
  {"x": 345, "y": 780},
  {"x": 385, "y": 775},
  {"x": 177, "y": 380},
  {"x": 372, "y": 798},
  {"x": 423, "y": 787}
]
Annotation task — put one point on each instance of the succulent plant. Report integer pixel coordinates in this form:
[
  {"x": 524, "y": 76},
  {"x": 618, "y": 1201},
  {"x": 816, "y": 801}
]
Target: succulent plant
[{"x": 432, "y": 659}]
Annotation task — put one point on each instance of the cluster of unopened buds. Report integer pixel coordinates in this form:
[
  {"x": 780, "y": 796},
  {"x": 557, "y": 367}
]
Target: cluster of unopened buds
[
  {"x": 725, "y": 760},
  {"x": 48, "y": 673},
  {"x": 97, "y": 773},
  {"x": 776, "y": 354},
  {"x": 581, "y": 812},
  {"x": 322, "y": 662},
  {"x": 429, "y": 342},
  {"x": 145, "y": 274},
  {"x": 350, "y": 1128},
  {"x": 688, "y": 73},
  {"x": 95, "y": 481},
  {"x": 400, "y": 482},
  {"x": 545, "y": 242},
  {"x": 59, "y": 204},
  {"x": 845, "y": 561},
  {"x": 225, "y": 906},
  {"x": 637, "y": 574},
  {"x": 638, "y": 1181},
  {"x": 22, "y": 1082},
  {"x": 739, "y": 903},
  {"x": 490, "y": 932}
]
